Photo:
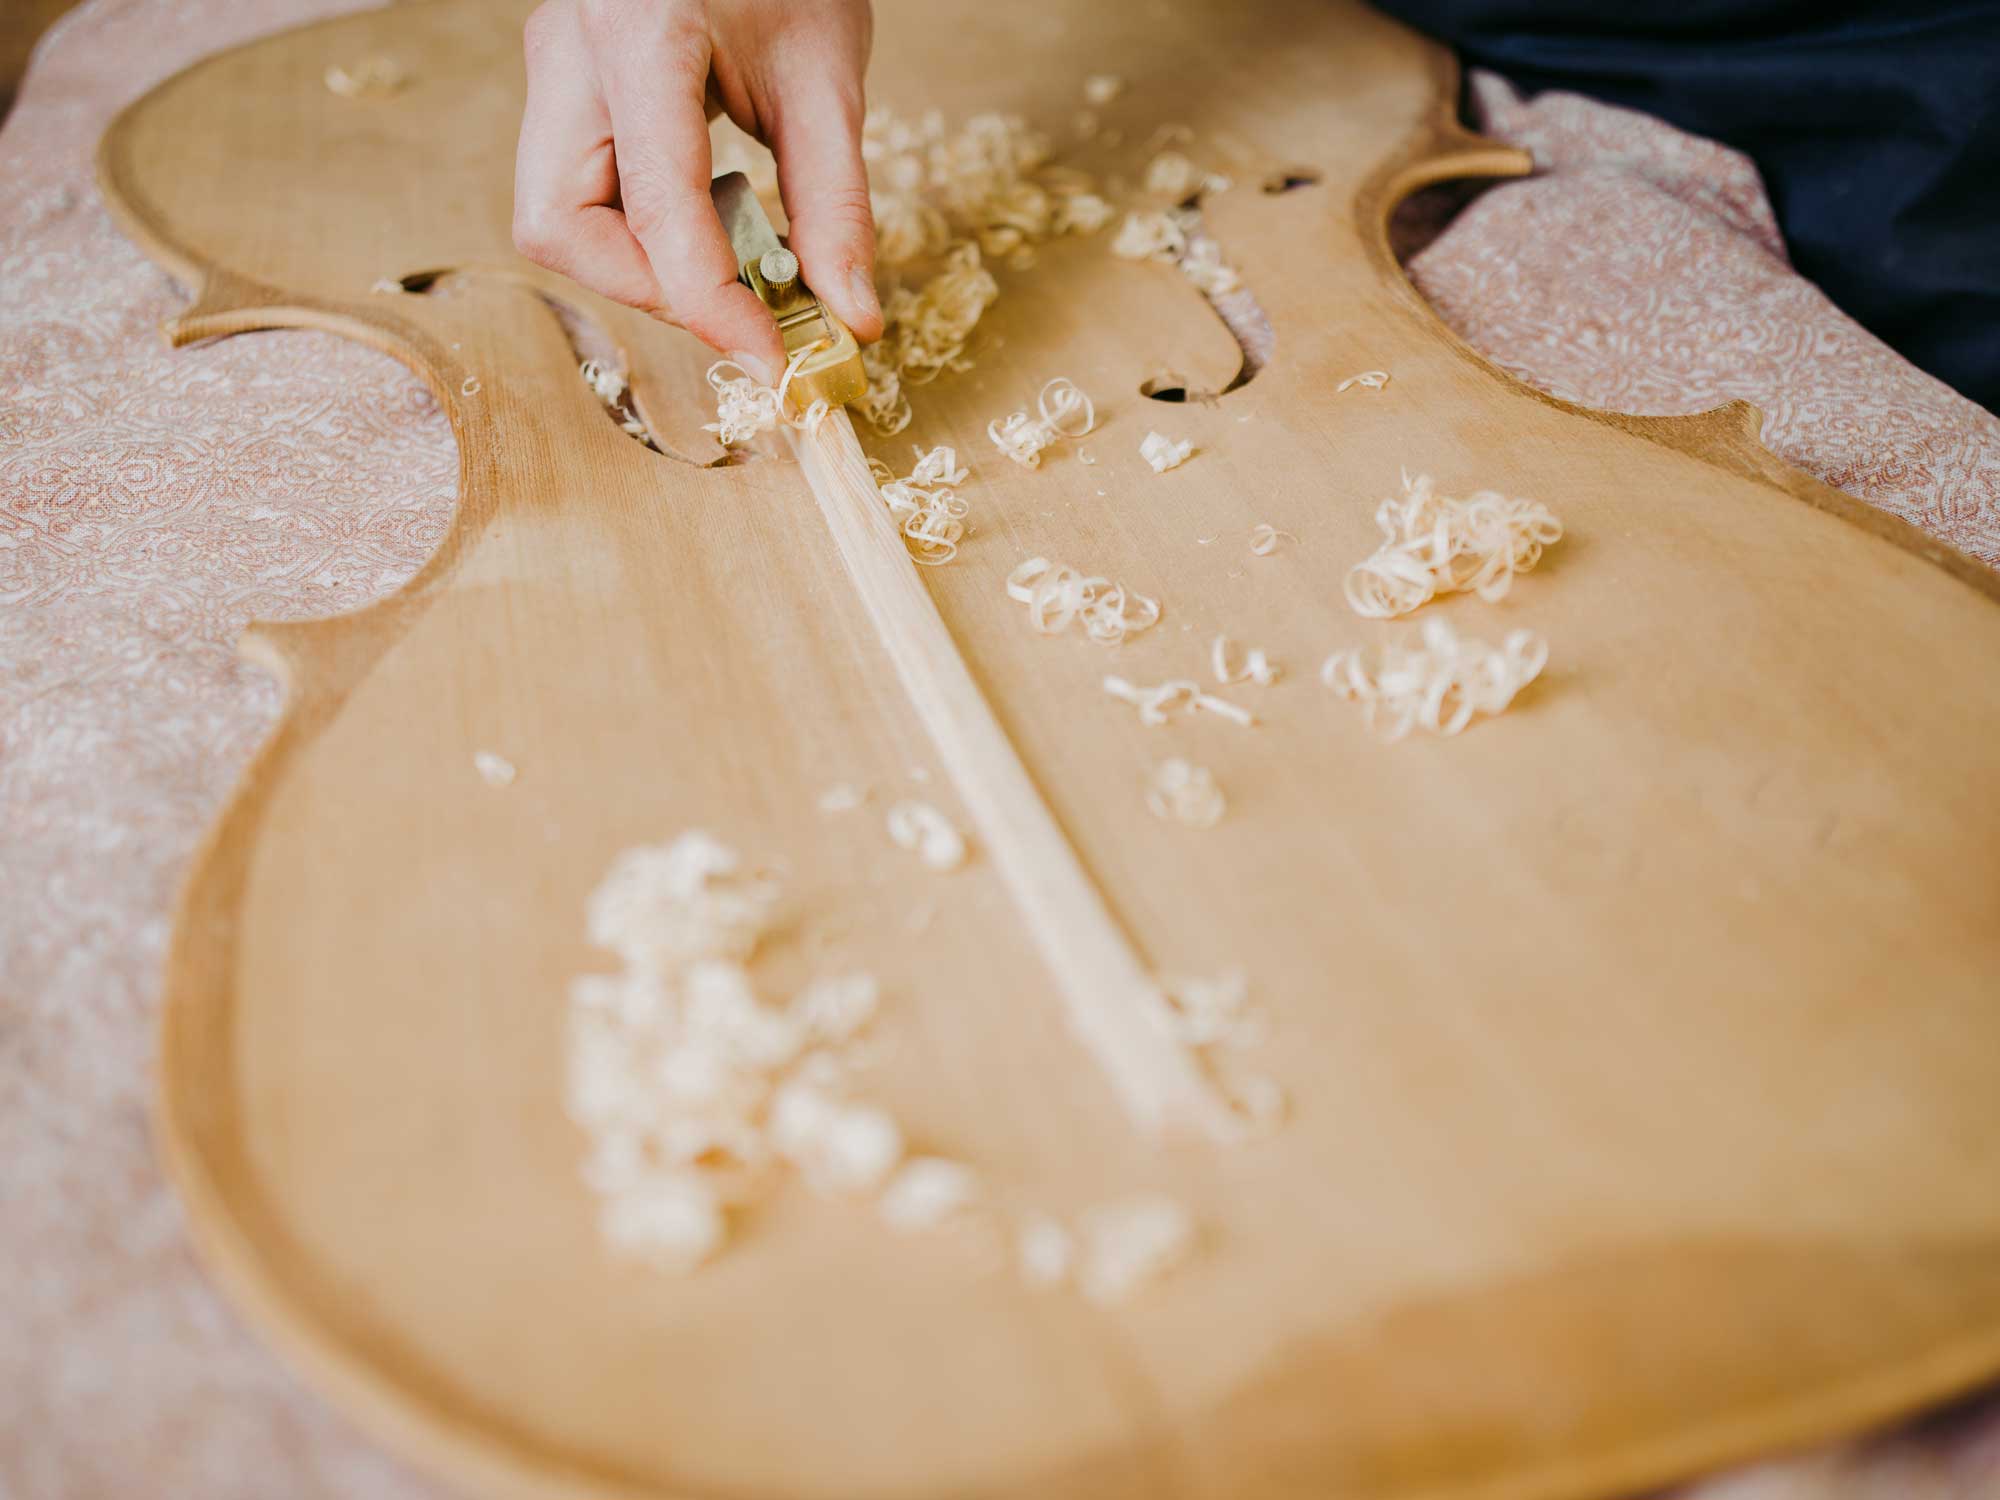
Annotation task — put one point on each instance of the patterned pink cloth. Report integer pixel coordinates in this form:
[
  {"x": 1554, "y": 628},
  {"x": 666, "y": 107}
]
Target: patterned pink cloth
[{"x": 153, "y": 502}]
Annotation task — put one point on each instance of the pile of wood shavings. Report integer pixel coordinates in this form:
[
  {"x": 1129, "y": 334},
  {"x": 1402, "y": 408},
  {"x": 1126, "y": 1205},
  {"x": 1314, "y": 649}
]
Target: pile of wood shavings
[
  {"x": 927, "y": 509},
  {"x": 1438, "y": 687},
  {"x": 1063, "y": 411},
  {"x": 694, "y": 1092},
  {"x": 697, "y": 1095},
  {"x": 947, "y": 200},
  {"x": 1181, "y": 792},
  {"x": 1157, "y": 704},
  {"x": 923, "y": 334},
  {"x": 1057, "y": 595},
  {"x": 990, "y": 183},
  {"x": 1433, "y": 544},
  {"x": 1163, "y": 453}
]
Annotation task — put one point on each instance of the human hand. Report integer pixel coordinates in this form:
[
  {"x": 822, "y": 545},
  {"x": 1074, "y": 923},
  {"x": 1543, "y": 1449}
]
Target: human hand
[{"x": 611, "y": 177}]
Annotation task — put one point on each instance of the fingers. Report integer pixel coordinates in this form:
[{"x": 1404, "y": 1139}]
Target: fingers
[
  {"x": 565, "y": 174},
  {"x": 816, "y": 136},
  {"x": 653, "y": 61}
]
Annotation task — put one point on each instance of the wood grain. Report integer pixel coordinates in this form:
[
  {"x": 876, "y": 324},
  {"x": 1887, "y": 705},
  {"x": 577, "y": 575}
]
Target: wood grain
[
  {"x": 1644, "y": 1042},
  {"x": 1114, "y": 1004}
]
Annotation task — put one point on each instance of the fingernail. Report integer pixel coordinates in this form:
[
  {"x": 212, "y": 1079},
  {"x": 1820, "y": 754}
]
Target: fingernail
[
  {"x": 862, "y": 286},
  {"x": 754, "y": 367}
]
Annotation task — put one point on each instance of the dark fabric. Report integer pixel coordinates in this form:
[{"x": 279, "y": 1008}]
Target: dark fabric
[{"x": 1876, "y": 128}]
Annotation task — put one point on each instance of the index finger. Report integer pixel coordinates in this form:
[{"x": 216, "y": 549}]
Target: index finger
[{"x": 655, "y": 74}]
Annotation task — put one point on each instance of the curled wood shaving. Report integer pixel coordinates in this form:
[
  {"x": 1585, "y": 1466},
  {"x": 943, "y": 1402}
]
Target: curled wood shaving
[
  {"x": 371, "y": 78},
  {"x": 1182, "y": 792},
  {"x": 606, "y": 382},
  {"x": 1082, "y": 213},
  {"x": 927, "y": 833},
  {"x": 1258, "y": 1098},
  {"x": 744, "y": 407},
  {"x": 495, "y": 770},
  {"x": 1157, "y": 704},
  {"x": 1101, "y": 88},
  {"x": 1169, "y": 236},
  {"x": 610, "y": 386},
  {"x": 1433, "y": 544},
  {"x": 1057, "y": 595},
  {"x": 1115, "y": 1251},
  {"x": 1064, "y": 412},
  {"x": 928, "y": 511},
  {"x": 937, "y": 466},
  {"x": 1212, "y": 1012},
  {"x": 1045, "y": 1251},
  {"x": 842, "y": 796},
  {"x": 1439, "y": 686},
  {"x": 1215, "y": 1017},
  {"x": 1374, "y": 380},
  {"x": 1151, "y": 236},
  {"x": 1127, "y": 1245},
  {"x": 835, "y": 1009},
  {"x": 1172, "y": 174},
  {"x": 928, "y": 1191},
  {"x": 839, "y": 1147},
  {"x": 1163, "y": 453},
  {"x": 469, "y": 386},
  {"x": 1256, "y": 667},
  {"x": 1264, "y": 539},
  {"x": 1204, "y": 266},
  {"x": 883, "y": 406}
]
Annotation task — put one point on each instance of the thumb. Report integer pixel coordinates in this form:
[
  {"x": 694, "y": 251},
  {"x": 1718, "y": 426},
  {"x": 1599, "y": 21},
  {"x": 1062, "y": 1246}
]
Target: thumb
[{"x": 817, "y": 141}]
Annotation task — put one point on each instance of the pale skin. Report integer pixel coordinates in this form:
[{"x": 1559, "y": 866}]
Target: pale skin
[{"x": 611, "y": 177}]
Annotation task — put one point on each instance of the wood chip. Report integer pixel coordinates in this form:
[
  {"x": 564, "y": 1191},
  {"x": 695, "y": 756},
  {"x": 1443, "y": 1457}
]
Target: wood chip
[
  {"x": 1181, "y": 792},
  {"x": 495, "y": 770},
  {"x": 1163, "y": 453},
  {"x": 927, "y": 833}
]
